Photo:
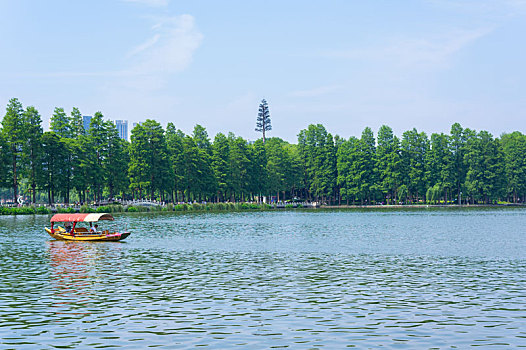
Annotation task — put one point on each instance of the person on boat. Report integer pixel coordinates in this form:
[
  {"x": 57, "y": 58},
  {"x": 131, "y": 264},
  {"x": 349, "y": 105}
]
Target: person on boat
[
  {"x": 68, "y": 227},
  {"x": 93, "y": 229}
]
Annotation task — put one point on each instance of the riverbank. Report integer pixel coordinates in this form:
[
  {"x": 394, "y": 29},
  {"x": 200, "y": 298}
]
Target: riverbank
[
  {"x": 117, "y": 208},
  {"x": 219, "y": 207},
  {"x": 423, "y": 206}
]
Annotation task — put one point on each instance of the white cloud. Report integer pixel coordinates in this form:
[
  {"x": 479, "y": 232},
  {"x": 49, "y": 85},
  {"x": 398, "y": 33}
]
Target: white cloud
[
  {"x": 147, "y": 44},
  {"x": 152, "y": 3},
  {"x": 416, "y": 51},
  {"x": 170, "y": 50}
]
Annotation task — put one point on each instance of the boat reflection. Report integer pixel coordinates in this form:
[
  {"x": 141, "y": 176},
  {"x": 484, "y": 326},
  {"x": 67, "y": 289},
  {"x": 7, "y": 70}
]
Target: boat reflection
[{"x": 73, "y": 267}]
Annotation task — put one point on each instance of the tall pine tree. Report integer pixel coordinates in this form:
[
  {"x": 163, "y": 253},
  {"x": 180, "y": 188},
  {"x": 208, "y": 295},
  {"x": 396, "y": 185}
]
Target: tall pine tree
[{"x": 263, "y": 121}]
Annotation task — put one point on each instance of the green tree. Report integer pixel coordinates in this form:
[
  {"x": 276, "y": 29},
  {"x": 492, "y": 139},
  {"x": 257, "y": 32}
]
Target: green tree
[
  {"x": 367, "y": 164},
  {"x": 4, "y": 161},
  {"x": 278, "y": 166},
  {"x": 59, "y": 123},
  {"x": 293, "y": 174},
  {"x": 263, "y": 123},
  {"x": 32, "y": 149},
  {"x": 459, "y": 138},
  {"x": 347, "y": 158},
  {"x": 191, "y": 170},
  {"x": 318, "y": 158},
  {"x": 97, "y": 139},
  {"x": 259, "y": 178},
  {"x": 439, "y": 167},
  {"x": 174, "y": 143},
  {"x": 514, "y": 148},
  {"x": 82, "y": 159},
  {"x": 53, "y": 160},
  {"x": 201, "y": 139},
  {"x": 206, "y": 182},
  {"x": 76, "y": 123},
  {"x": 238, "y": 165},
  {"x": 15, "y": 134},
  {"x": 414, "y": 146},
  {"x": 220, "y": 152},
  {"x": 116, "y": 161},
  {"x": 389, "y": 164},
  {"x": 485, "y": 179},
  {"x": 149, "y": 166}
]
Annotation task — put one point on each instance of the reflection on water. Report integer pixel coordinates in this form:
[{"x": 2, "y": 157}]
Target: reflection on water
[
  {"x": 70, "y": 274},
  {"x": 269, "y": 280}
]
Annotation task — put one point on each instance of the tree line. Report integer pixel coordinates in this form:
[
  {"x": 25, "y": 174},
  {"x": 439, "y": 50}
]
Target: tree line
[{"x": 69, "y": 163}]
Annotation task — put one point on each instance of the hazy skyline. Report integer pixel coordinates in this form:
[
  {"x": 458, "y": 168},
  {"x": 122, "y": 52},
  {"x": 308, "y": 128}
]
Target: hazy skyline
[{"x": 345, "y": 64}]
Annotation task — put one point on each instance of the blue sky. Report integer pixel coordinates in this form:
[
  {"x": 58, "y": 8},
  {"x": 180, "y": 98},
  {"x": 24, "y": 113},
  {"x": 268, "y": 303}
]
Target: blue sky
[{"x": 345, "y": 64}]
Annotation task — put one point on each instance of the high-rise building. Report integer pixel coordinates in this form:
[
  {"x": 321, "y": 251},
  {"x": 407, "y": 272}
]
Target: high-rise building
[
  {"x": 86, "y": 120},
  {"x": 122, "y": 128}
]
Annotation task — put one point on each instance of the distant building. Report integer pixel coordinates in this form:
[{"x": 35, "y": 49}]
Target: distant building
[
  {"x": 122, "y": 129},
  {"x": 86, "y": 120}
]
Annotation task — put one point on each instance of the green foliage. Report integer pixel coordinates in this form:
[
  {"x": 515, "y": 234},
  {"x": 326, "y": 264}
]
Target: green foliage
[
  {"x": 103, "y": 209},
  {"x": 389, "y": 165},
  {"x": 59, "y": 123},
  {"x": 263, "y": 123},
  {"x": 76, "y": 123},
  {"x": 14, "y": 132},
  {"x": 318, "y": 158},
  {"x": 86, "y": 209},
  {"x": 149, "y": 167},
  {"x": 170, "y": 166},
  {"x": 485, "y": 178},
  {"x": 514, "y": 150},
  {"x": 220, "y": 163},
  {"x": 42, "y": 210},
  {"x": 68, "y": 210},
  {"x": 4, "y": 161},
  {"x": 415, "y": 147},
  {"x": 174, "y": 144},
  {"x": 17, "y": 211},
  {"x": 181, "y": 207}
]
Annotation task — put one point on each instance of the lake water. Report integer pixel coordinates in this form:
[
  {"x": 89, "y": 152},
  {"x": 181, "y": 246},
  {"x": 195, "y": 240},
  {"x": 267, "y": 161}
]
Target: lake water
[{"x": 429, "y": 278}]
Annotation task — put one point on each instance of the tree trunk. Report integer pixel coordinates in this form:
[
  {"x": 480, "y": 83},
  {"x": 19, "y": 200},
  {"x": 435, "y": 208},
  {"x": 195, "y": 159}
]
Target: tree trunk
[
  {"x": 15, "y": 180},
  {"x": 34, "y": 187}
]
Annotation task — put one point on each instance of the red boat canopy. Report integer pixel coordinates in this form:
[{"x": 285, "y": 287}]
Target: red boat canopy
[{"x": 81, "y": 217}]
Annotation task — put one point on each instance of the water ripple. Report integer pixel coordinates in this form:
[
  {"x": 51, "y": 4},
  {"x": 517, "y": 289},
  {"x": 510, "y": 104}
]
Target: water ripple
[{"x": 181, "y": 287}]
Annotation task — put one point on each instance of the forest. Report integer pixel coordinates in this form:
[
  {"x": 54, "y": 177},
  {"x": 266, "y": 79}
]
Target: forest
[{"x": 70, "y": 164}]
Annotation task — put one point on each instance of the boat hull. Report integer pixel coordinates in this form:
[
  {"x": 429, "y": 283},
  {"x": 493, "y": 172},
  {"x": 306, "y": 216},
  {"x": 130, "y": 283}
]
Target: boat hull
[{"x": 63, "y": 236}]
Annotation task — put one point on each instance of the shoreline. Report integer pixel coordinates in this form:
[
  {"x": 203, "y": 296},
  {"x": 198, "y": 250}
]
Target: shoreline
[
  {"x": 422, "y": 206},
  {"x": 234, "y": 207}
]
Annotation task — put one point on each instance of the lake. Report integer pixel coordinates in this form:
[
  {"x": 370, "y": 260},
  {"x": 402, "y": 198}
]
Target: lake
[{"x": 300, "y": 279}]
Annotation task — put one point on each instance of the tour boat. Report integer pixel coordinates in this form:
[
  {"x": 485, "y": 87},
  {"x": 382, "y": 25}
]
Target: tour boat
[{"x": 78, "y": 233}]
